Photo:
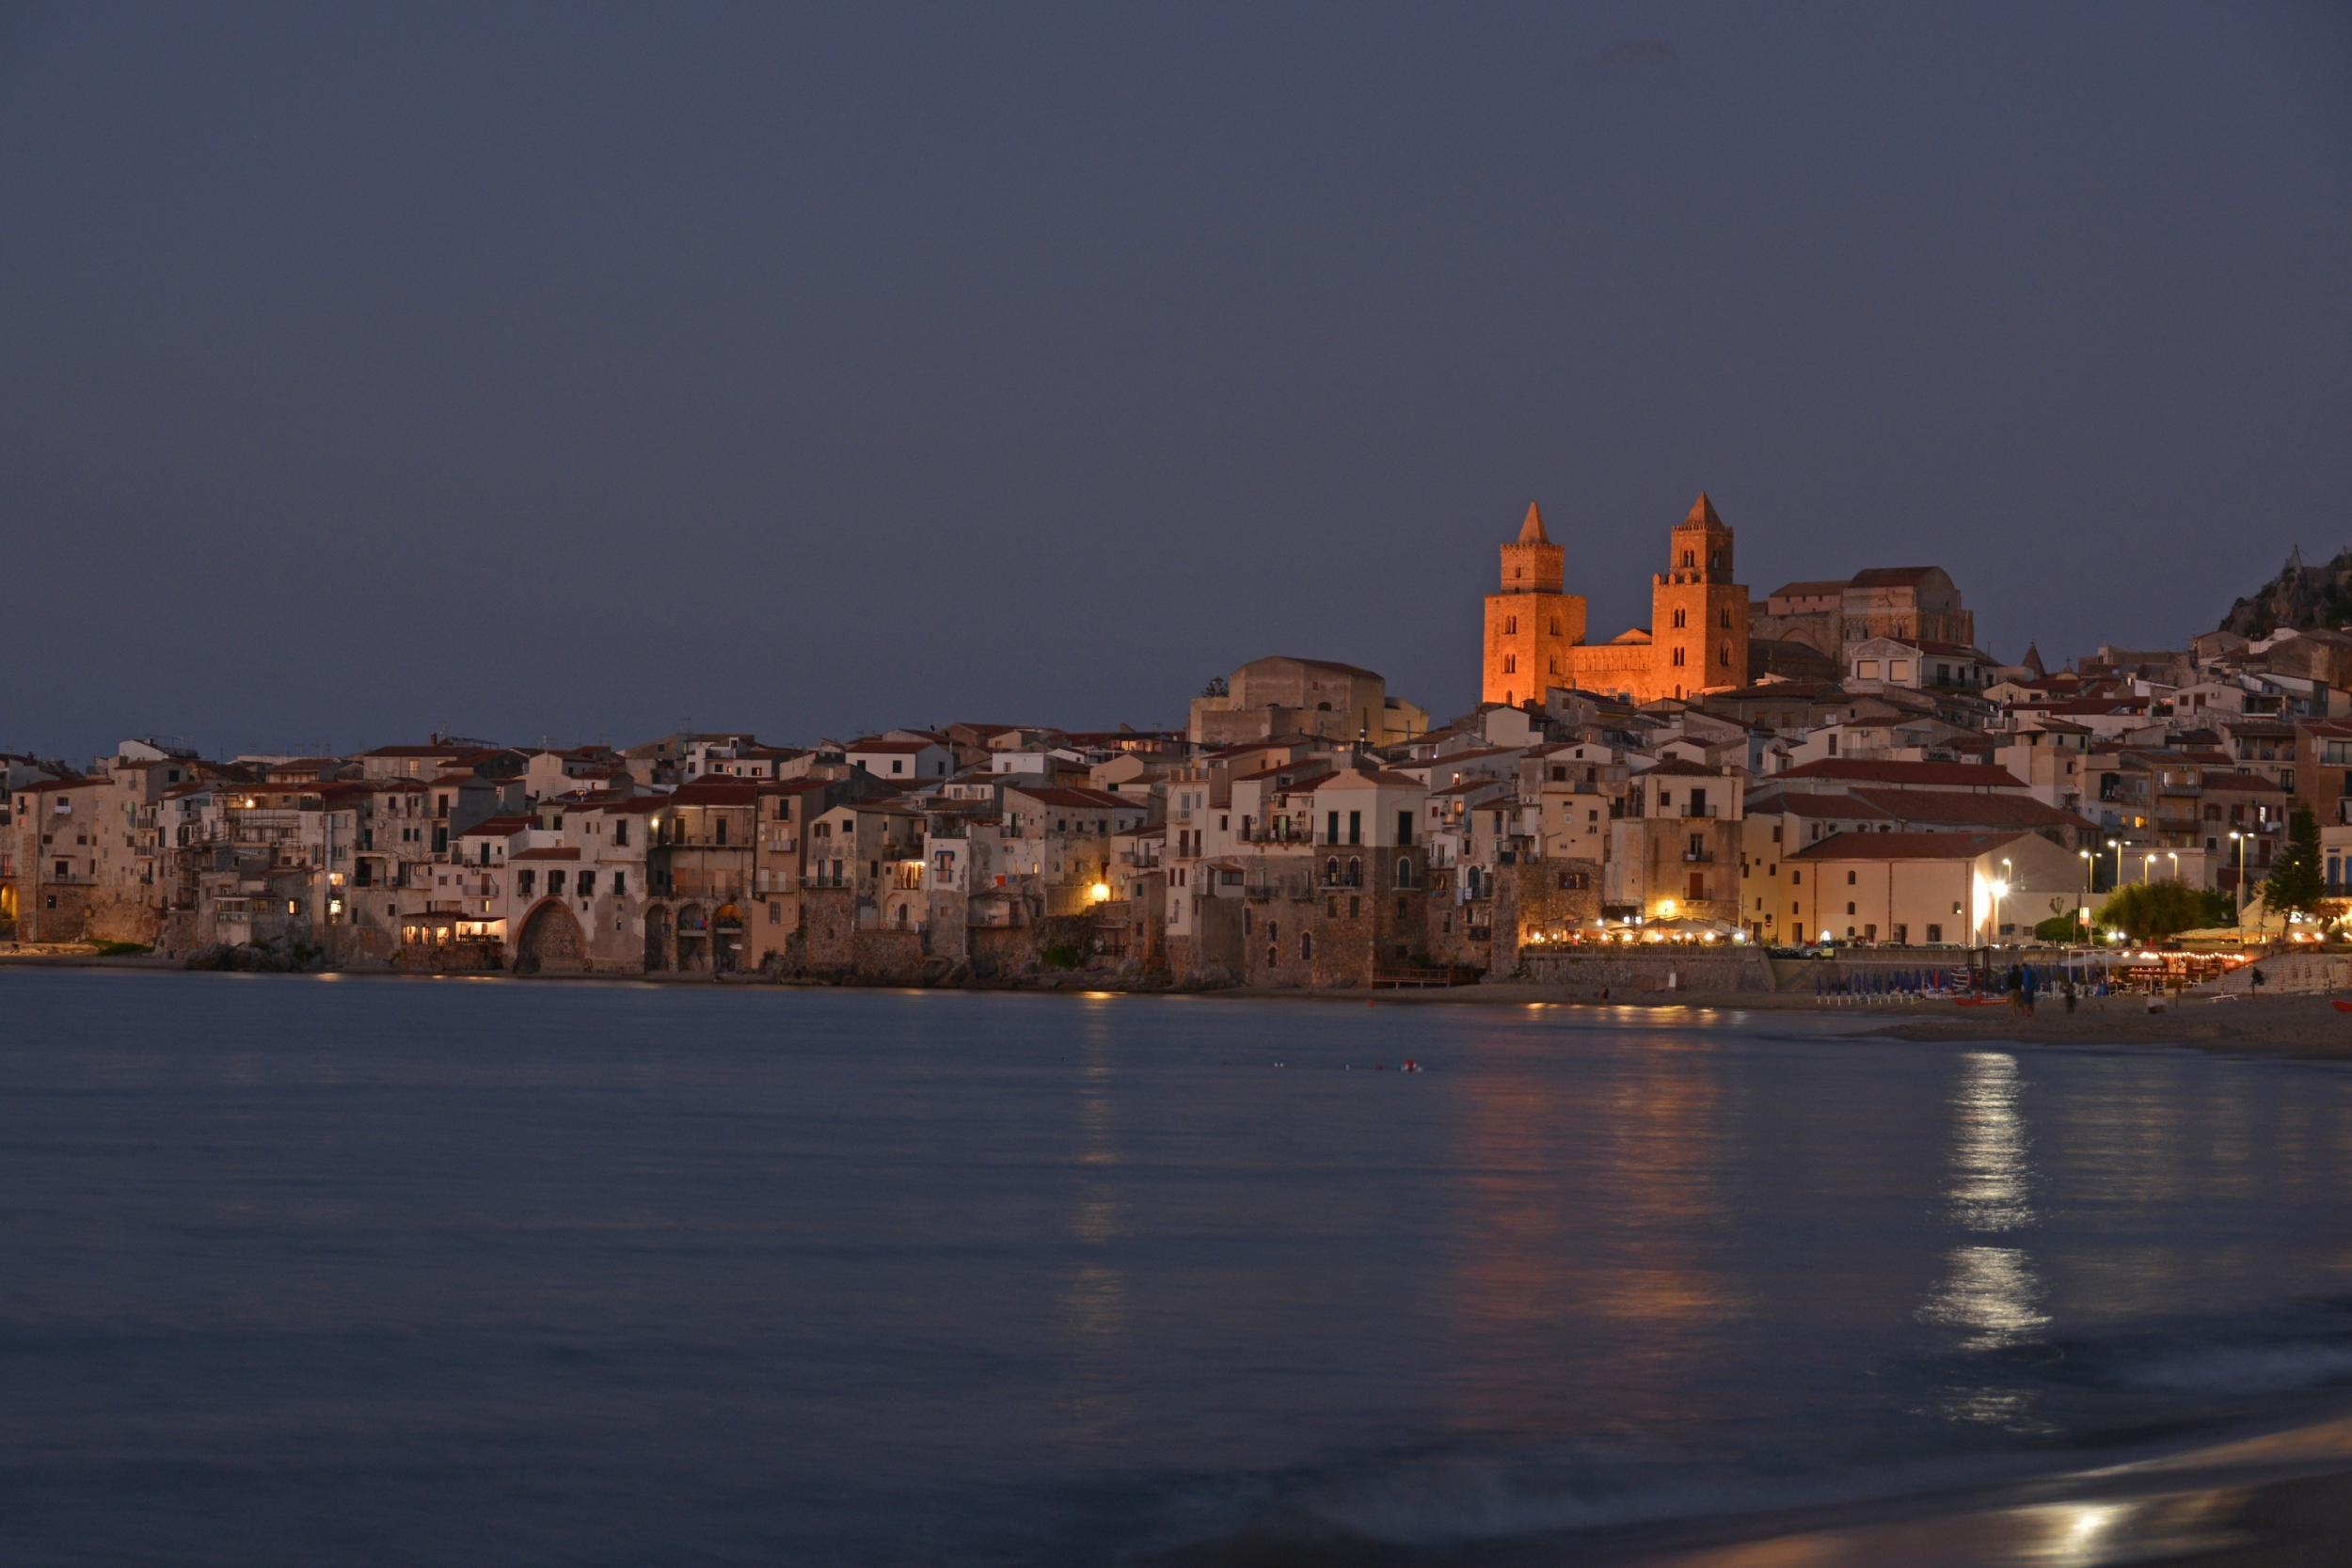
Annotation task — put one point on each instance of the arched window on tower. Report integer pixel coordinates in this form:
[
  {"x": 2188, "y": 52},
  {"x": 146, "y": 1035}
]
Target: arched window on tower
[
  {"x": 1510, "y": 664},
  {"x": 1723, "y": 656},
  {"x": 1679, "y": 622},
  {"x": 1555, "y": 625},
  {"x": 1510, "y": 626},
  {"x": 1678, "y": 660},
  {"x": 1689, "y": 558}
]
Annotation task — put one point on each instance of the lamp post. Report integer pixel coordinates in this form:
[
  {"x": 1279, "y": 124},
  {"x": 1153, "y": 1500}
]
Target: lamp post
[
  {"x": 2117, "y": 845},
  {"x": 2147, "y": 867},
  {"x": 2174, "y": 856},
  {"x": 2000, "y": 890},
  {"x": 2083, "y": 899},
  {"x": 2239, "y": 891}
]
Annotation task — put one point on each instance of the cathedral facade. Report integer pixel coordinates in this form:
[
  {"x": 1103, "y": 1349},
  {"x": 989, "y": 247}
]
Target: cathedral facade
[{"x": 1697, "y": 639}]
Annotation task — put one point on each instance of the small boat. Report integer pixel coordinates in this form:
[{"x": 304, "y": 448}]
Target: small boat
[{"x": 2343, "y": 1006}]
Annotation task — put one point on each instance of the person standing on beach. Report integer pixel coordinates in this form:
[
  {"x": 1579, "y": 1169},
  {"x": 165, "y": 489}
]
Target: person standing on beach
[{"x": 2027, "y": 982}]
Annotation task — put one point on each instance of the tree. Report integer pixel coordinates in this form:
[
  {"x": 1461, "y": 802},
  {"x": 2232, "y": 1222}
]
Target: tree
[
  {"x": 2148, "y": 911},
  {"x": 2295, "y": 885},
  {"x": 2059, "y": 928}
]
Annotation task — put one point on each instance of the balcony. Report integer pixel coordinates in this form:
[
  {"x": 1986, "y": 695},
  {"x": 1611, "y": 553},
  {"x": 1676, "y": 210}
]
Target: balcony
[{"x": 1699, "y": 856}]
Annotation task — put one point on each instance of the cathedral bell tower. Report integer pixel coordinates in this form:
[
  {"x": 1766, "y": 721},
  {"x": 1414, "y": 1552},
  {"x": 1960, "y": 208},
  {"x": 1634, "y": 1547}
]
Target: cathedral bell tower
[
  {"x": 1531, "y": 624},
  {"x": 1698, "y": 612}
]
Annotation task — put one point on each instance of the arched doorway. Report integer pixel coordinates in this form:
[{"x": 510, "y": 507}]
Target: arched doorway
[
  {"x": 727, "y": 938},
  {"x": 552, "y": 941},
  {"x": 656, "y": 938}
]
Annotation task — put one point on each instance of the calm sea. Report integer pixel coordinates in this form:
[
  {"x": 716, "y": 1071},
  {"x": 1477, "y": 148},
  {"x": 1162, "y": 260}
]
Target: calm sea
[{"x": 318, "y": 1270}]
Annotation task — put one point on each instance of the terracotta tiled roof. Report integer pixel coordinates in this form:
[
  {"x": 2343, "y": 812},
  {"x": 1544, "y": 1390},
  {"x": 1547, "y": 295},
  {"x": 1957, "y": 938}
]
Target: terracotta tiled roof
[
  {"x": 1951, "y": 808},
  {"x": 1879, "y": 770},
  {"x": 1905, "y": 847},
  {"x": 1797, "y": 803},
  {"x": 500, "y": 827}
]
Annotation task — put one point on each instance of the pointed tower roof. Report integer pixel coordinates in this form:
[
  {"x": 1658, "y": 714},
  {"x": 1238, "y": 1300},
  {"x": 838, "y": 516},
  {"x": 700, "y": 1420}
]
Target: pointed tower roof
[
  {"x": 1531, "y": 530},
  {"x": 1703, "y": 511}
]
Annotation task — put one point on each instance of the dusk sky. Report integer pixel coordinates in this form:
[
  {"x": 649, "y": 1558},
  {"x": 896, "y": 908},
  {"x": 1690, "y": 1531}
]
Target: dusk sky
[{"x": 590, "y": 373}]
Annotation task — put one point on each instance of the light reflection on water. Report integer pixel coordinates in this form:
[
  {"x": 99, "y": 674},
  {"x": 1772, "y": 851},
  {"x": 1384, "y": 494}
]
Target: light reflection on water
[
  {"x": 1989, "y": 1290},
  {"x": 922, "y": 1279}
]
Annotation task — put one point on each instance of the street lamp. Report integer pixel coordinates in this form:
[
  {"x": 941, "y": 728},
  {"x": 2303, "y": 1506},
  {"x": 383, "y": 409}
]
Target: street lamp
[
  {"x": 2147, "y": 867},
  {"x": 2000, "y": 890},
  {"x": 2174, "y": 856},
  {"x": 2239, "y": 891},
  {"x": 2089, "y": 861},
  {"x": 2117, "y": 845}
]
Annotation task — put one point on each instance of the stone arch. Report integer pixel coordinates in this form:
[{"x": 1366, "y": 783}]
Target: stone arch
[
  {"x": 694, "y": 938},
  {"x": 552, "y": 941},
  {"x": 658, "y": 936},
  {"x": 727, "y": 938}
]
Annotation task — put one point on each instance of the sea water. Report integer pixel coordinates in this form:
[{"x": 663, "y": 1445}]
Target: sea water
[{"x": 305, "y": 1270}]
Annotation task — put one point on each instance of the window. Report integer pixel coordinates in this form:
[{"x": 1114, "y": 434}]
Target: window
[
  {"x": 1726, "y": 618},
  {"x": 1936, "y": 933},
  {"x": 1795, "y": 877},
  {"x": 1510, "y": 664},
  {"x": 1678, "y": 660},
  {"x": 1404, "y": 875},
  {"x": 555, "y": 884},
  {"x": 1355, "y": 906},
  {"x": 1306, "y": 946},
  {"x": 1850, "y": 878},
  {"x": 898, "y": 764},
  {"x": 1680, "y": 618},
  {"x": 587, "y": 885},
  {"x": 1355, "y": 827},
  {"x": 1510, "y": 626},
  {"x": 620, "y": 884},
  {"x": 721, "y": 827},
  {"x": 523, "y": 881},
  {"x": 620, "y": 834}
]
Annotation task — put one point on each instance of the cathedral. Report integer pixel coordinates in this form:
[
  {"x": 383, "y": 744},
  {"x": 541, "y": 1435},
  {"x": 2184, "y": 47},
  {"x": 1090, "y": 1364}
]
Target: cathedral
[{"x": 1697, "y": 639}]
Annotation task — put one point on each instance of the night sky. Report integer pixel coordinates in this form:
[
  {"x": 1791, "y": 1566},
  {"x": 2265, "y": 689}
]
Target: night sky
[{"x": 589, "y": 374}]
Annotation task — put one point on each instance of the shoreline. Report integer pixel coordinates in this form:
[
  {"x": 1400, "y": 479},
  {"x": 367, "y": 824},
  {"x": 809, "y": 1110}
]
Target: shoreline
[{"x": 2298, "y": 1028}]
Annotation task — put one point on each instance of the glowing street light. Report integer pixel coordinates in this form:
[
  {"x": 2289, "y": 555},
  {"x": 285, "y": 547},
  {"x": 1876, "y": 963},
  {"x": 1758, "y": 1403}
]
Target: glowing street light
[
  {"x": 2117, "y": 845},
  {"x": 2000, "y": 890},
  {"x": 2082, "y": 915},
  {"x": 2240, "y": 890},
  {"x": 2147, "y": 867}
]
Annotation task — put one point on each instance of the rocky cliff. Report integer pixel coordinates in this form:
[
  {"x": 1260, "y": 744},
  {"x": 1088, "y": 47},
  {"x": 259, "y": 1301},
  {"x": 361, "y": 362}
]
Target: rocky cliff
[{"x": 2299, "y": 597}]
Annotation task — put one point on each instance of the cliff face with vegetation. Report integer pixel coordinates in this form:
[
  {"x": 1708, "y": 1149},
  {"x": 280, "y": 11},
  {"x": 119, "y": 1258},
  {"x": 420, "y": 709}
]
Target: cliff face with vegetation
[{"x": 2298, "y": 598}]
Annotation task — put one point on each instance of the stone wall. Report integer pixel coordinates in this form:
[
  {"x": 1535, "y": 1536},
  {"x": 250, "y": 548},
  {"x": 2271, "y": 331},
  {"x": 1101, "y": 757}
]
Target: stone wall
[
  {"x": 1635, "y": 973},
  {"x": 1540, "y": 896},
  {"x": 887, "y": 957},
  {"x": 116, "y": 918}
]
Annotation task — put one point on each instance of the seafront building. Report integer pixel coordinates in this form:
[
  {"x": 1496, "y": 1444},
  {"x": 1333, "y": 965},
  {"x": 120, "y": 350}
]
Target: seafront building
[{"x": 1836, "y": 757}]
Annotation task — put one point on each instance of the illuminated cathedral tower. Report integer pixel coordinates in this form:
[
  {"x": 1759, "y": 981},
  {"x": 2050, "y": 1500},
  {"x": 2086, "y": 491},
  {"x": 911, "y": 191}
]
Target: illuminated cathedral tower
[
  {"x": 1698, "y": 612},
  {"x": 1697, "y": 639},
  {"x": 1531, "y": 624}
]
